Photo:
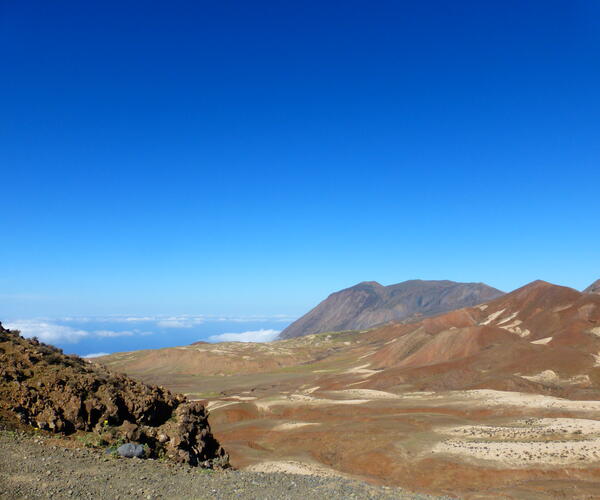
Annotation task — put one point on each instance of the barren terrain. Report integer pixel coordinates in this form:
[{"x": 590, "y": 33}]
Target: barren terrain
[
  {"x": 498, "y": 400},
  {"x": 47, "y": 467}
]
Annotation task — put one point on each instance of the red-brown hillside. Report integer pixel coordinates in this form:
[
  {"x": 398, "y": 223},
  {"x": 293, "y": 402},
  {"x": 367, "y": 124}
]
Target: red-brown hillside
[{"x": 505, "y": 343}]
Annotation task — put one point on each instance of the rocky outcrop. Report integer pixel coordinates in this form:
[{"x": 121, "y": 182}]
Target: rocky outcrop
[
  {"x": 46, "y": 389},
  {"x": 593, "y": 288},
  {"x": 370, "y": 304}
]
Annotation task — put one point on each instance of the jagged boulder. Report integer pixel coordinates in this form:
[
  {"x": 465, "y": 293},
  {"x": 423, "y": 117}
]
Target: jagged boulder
[{"x": 48, "y": 390}]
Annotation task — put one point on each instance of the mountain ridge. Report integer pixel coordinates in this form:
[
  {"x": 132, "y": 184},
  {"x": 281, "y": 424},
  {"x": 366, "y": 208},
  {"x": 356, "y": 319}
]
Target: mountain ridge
[{"x": 368, "y": 304}]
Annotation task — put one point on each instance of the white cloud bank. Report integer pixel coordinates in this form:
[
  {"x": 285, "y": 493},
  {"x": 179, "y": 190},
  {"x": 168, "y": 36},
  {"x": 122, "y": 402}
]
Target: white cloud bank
[
  {"x": 180, "y": 322},
  {"x": 112, "y": 333},
  {"x": 252, "y": 336},
  {"x": 51, "y": 333},
  {"x": 47, "y": 332},
  {"x": 95, "y": 355}
]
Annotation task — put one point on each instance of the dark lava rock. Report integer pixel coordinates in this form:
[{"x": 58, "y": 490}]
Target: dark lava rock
[{"x": 46, "y": 389}]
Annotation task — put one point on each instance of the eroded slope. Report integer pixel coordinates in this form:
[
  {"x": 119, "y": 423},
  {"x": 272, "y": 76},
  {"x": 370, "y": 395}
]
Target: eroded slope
[{"x": 45, "y": 389}]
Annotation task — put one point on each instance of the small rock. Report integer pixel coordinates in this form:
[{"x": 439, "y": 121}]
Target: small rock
[{"x": 131, "y": 450}]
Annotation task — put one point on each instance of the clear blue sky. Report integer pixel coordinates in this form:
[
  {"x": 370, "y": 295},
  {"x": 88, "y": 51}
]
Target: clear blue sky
[{"x": 251, "y": 157}]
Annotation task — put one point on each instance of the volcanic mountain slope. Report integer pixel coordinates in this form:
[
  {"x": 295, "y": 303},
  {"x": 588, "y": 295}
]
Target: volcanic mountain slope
[
  {"x": 228, "y": 364},
  {"x": 593, "y": 288},
  {"x": 45, "y": 389},
  {"x": 369, "y": 304},
  {"x": 500, "y": 400},
  {"x": 539, "y": 338}
]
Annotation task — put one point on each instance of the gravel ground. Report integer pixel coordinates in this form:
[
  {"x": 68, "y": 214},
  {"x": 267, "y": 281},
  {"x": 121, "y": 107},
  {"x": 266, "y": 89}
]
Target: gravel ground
[{"x": 39, "y": 467}]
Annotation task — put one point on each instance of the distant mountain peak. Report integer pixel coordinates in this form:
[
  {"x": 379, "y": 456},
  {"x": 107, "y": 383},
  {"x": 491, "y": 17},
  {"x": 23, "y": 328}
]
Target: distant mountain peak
[
  {"x": 594, "y": 287},
  {"x": 369, "y": 283},
  {"x": 538, "y": 284},
  {"x": 369, "y": 304}
]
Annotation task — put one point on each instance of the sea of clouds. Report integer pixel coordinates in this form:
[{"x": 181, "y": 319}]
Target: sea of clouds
[{"x": 99, "y": 335}]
